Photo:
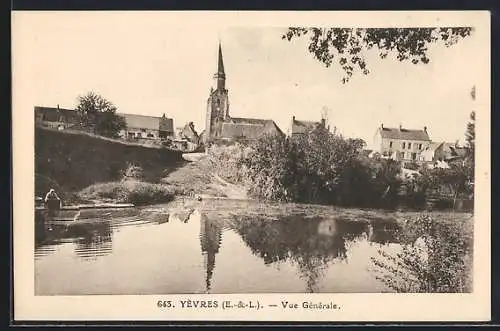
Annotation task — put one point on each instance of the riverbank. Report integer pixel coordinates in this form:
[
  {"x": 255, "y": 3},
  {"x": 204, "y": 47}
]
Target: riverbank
[
  {"x": 197, "y": 178},
  {"x": 71, "y": 161},
  {"x": 194, "y": 179}
]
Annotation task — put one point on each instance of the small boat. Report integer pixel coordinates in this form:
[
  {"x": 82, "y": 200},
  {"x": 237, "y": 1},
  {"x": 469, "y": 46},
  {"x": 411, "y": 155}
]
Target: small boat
[{"x": 79, "y": 213}]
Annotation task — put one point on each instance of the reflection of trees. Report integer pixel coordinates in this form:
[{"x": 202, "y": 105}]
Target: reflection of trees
[
  {"x": 383, "y": 231},
  {"x": 92, "y": 240},
  {"x": 311, "y": 243},
  {"x": 210, "y": 241}
]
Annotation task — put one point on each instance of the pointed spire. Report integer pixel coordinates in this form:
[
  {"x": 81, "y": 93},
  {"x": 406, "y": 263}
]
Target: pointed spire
[
  {"x": 220, "y": 76},
  {"x": 220, "y": 66}
]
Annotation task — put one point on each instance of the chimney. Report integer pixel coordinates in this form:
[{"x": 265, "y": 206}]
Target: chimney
[
  {"x": 382, "y": 126},
  {"x": 323, "y": 123},
  {"x": 400, "y": 127},
  {"x": 293, "y": 118},
  {"x": 57, "y": 106},
  {"x": 425, "y": 129}
]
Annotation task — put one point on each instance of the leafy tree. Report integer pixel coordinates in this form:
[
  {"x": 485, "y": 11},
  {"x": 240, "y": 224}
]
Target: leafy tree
[
  {"x": 470, "y": 135},
  {"x": 346, "y": 45},
  {"x": 100, "y": 114},
  {"x": 435, "y": 257},
  {"x": 317, "y": 166}
]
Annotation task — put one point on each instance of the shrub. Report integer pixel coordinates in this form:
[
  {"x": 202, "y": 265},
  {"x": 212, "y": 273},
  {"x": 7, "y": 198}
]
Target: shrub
[
  {"x": 436, "y": 257},
  {"x": 133, "y": 172},
  {"x": 317, "y": 167},
  {"x": 130, "y": 191}
]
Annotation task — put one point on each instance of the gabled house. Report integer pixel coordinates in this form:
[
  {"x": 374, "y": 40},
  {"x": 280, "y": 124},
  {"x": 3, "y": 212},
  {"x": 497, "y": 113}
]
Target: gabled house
[
  {"x": 146, "y": 127},
  {"x": 239, "y": 128},
  {"x": 301, "y": 127},
  {"x": 56, "y": 117},
  {"x": 443, "y": 151},
  {"x": 187, "y": 139},
  {"x": 401, "y": 143}
]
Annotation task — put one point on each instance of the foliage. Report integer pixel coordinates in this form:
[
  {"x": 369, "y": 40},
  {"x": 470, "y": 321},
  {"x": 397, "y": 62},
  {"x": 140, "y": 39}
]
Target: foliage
[
  {"x": 133, "y": 172},
  {"x": 346, "y": 46},
  {"x": 413, "y": 165},
  {"x": 436, "y": 257},
  {"x": 456, "y": 180},
  {"x": 318, "y": 167},
  {"x": 130, "y": 191},
  {"x": 470, "y": 136},
  {"x": 99, "y": 113},
  {"x": 227, "y": 162}
]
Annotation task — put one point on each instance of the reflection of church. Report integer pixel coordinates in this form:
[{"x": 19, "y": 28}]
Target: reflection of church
[{"x": 210, "y": 240}]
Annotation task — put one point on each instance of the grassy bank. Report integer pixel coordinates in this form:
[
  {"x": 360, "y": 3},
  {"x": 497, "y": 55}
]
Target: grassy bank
[
  {"x": 193, "y": 179},
  {"x": 70, "y": 162},
  {"x": 130, "y": 191}
]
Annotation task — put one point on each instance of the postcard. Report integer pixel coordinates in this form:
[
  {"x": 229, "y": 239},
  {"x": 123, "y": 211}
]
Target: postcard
[{"x": 251, "y": 166}]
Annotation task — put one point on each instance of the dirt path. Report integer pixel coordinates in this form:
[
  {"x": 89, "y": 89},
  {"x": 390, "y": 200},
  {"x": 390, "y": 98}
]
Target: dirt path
[{"x": 197, "y": 178}]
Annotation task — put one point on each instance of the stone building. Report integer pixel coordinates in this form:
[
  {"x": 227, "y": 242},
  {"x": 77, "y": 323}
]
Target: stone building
[
  {"x": 298, "y": 128},
  {"x": 56, "y": 117},
  {"x": 220, "y": 125},
  {"x": 401, "y": 143},
  {"x": 186, "y": 138},
  {"x": 443, "y": 151},
  {"x": 144, "y": 127}
]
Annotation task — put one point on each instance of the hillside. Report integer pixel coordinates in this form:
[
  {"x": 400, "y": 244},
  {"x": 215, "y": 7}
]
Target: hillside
[{"x": 71, "y": 161}]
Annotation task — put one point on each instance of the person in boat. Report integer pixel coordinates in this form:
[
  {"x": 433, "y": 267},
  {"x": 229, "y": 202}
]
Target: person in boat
[{"x": 52, "y": 200}]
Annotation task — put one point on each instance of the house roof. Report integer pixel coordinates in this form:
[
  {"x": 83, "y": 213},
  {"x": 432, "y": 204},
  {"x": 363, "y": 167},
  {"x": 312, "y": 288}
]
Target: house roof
[
  {"x": 404, "y": 134},
  {"x": 433, "y": 145},
  {"x": 248, "y": 128},
  {"x": 166, "y": 124},
  {"x": 53, "y": 114},
  {"x": 136, "y": 121},
  {"x": 303, "y": 126},
  {"x": 242, "y": 120},
  {"x": 141, "y": 121},
  {"x": 189, "y": 128}
]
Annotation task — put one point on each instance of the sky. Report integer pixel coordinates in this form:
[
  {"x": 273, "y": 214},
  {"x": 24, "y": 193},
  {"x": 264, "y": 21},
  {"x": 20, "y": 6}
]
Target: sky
[{"x": 151, "y": 67}]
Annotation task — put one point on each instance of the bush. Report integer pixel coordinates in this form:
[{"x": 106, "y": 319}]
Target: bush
[
  {"x": 436, "y": 257},
  {"x": 317, "y": 167},
  {"x": 133, "y": 172},
  {"x": 130, "y": 191}
]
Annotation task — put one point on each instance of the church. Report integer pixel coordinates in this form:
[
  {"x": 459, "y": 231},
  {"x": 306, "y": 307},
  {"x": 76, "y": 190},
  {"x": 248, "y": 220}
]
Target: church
[{"x": 221, "y": 126}]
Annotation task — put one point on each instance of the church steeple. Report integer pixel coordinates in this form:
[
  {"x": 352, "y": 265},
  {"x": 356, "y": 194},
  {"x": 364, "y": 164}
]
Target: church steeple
[{"x": 220, "y": 75}]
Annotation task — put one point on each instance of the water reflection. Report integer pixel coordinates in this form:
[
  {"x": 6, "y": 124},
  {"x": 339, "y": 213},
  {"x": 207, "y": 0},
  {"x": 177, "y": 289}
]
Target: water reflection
[
  {"x": 293, "y": 248},
  {"x": 91, "y": 238},
  {"x": 210, "y": 241},
  {"x": 311, "y": 243},
  {"x": 94, "y": 241}
]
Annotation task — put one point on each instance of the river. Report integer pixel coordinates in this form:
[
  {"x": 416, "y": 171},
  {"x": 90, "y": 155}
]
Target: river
[{"x": 216, "y": 246}]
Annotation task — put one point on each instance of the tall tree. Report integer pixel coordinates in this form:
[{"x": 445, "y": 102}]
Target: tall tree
[
  {"x": 470, "y": 134},
  {"x": 346, "y": 45},
  {"x": 100, "y": 114}
]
